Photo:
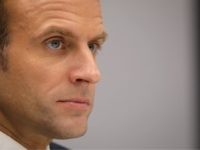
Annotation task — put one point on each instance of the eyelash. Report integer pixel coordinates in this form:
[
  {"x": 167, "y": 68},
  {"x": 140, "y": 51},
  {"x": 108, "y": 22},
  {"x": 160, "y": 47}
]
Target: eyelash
[
  {"x": 96, "y": 50},
  {"x": 55, "y": 39},
  {"x": 95, "y": 47}
]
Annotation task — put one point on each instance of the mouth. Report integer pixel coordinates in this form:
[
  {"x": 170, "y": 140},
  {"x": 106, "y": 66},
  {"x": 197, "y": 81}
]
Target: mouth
[{"x": 75, "y": 103}]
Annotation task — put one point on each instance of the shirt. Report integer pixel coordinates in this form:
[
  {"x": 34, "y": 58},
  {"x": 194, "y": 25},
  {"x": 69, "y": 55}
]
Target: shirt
[{"x": 7, "y": 143}]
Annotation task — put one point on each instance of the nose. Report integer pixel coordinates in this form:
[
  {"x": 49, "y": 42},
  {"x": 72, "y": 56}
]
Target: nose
[{"x": 85, "y": 68}]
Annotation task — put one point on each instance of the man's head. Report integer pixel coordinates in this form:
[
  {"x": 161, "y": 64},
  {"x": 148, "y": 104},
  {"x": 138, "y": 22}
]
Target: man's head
[{"x": 49, "y": 84}]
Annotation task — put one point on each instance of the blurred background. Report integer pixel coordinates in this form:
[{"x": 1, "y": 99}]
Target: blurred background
[{"x": 146, "y": 98}]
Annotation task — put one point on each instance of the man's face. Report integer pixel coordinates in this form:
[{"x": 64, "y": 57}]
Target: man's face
[{"x": 49, "y": 85}]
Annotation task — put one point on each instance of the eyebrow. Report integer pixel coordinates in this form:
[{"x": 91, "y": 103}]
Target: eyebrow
[
  {"x": 103, "y": 36},
  {"x": 54, "y": 30}
]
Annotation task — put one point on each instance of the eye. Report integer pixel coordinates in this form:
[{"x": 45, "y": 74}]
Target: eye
[
  {"x": 94, "y": 47},
  {"x": 55, "y": 44}
]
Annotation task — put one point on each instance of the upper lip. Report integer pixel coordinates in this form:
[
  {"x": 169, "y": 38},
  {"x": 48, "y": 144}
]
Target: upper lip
[{"x": 76, "y": 100}]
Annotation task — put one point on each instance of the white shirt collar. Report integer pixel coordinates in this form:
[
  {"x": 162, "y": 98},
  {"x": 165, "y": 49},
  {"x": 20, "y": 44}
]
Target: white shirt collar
[{"x": 7, "y": 143}]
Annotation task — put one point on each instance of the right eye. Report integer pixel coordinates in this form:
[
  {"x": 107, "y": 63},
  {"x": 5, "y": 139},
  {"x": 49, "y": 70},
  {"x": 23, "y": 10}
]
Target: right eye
[{"x": 55, "y": 44}]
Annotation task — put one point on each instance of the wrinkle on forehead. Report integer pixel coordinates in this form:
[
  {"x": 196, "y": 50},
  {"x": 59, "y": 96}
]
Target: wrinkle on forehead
[
  {"x": 80, "y": 11},
  {"x": 32, "y": 16},
  {"x": 89, "y": 8}
]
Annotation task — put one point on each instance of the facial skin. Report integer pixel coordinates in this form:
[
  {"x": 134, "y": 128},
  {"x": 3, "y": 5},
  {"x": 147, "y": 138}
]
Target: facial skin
[{"x": 48, "y": 89}]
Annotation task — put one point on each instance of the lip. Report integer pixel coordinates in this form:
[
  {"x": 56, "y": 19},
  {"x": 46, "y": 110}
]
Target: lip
[{"x": 74, "y": 103}]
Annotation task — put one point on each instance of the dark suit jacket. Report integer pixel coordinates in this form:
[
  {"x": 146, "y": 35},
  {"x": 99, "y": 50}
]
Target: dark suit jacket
[{"x": 54, "y": 146}]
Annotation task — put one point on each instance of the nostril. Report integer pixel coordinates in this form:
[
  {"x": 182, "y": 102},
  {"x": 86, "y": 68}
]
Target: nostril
[
  {"x": 85, "y": 74},
  {"x": 81, "y": 80}
]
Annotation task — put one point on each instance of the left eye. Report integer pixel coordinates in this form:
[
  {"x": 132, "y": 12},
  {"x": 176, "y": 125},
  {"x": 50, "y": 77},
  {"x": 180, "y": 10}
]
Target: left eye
[
  {"x": 93, "y": 47},
  {"x": 55, "y": 44}
]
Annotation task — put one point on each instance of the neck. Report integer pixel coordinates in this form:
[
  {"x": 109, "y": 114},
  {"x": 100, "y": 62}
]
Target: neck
[{"x": 28, "y": 139}]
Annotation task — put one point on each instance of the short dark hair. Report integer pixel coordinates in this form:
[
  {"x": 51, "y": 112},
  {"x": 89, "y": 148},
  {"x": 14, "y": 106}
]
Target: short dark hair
[{"x": 3, "y": 32}]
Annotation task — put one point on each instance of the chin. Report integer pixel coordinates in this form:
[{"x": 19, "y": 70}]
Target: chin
[
  {"x": 68, "y": 130},
  {"x": 71, "y": 133}
]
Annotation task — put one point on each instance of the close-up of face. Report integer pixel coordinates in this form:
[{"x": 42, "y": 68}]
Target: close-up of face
[{"x": 48, "y": 86}]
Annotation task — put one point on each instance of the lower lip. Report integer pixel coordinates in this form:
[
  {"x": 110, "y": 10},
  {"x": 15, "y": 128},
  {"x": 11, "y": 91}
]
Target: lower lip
[{"x": 74, "y": 105}]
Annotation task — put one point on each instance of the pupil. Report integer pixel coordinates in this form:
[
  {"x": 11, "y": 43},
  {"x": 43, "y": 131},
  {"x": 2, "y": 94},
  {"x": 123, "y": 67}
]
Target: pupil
[
  {"x": 55, "y": 44},
  {"x": 91, "y": 46}
]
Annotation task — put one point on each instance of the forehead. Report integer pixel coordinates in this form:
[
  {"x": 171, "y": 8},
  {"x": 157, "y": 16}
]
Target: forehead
[
  {"x": 89, "y": 8},
  {"x": 84, "y": 7},
  {"x": 42, "y": 13}
]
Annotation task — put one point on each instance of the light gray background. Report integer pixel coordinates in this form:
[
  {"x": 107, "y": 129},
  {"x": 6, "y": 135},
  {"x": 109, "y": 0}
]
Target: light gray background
[{"x": 146, "y": 96}]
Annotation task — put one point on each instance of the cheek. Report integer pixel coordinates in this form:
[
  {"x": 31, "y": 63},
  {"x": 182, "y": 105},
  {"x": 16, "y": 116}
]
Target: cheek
[
  {"x": 41, "y": 77},
  {"x": 35, "y": 71},
  {"x": 49, "y": 81}
]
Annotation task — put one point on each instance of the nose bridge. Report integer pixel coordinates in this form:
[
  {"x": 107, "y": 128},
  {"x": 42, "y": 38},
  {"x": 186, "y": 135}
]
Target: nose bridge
[
  {"x": 88, "y": 62},
  {"x": 86, "y": 67}
]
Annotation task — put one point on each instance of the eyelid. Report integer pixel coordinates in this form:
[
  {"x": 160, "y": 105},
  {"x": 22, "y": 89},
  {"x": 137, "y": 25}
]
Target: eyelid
[
  {"x": 99, "y": 43},
  {"x": 61, "y": 39},
  {"x": 54, "y": 38},
  {"x": 98, "y": 49}
]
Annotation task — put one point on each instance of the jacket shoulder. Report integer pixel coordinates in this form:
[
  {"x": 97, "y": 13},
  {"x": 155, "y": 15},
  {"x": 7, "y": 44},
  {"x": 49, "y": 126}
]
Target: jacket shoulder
[{"x": 54, "y": 146}]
